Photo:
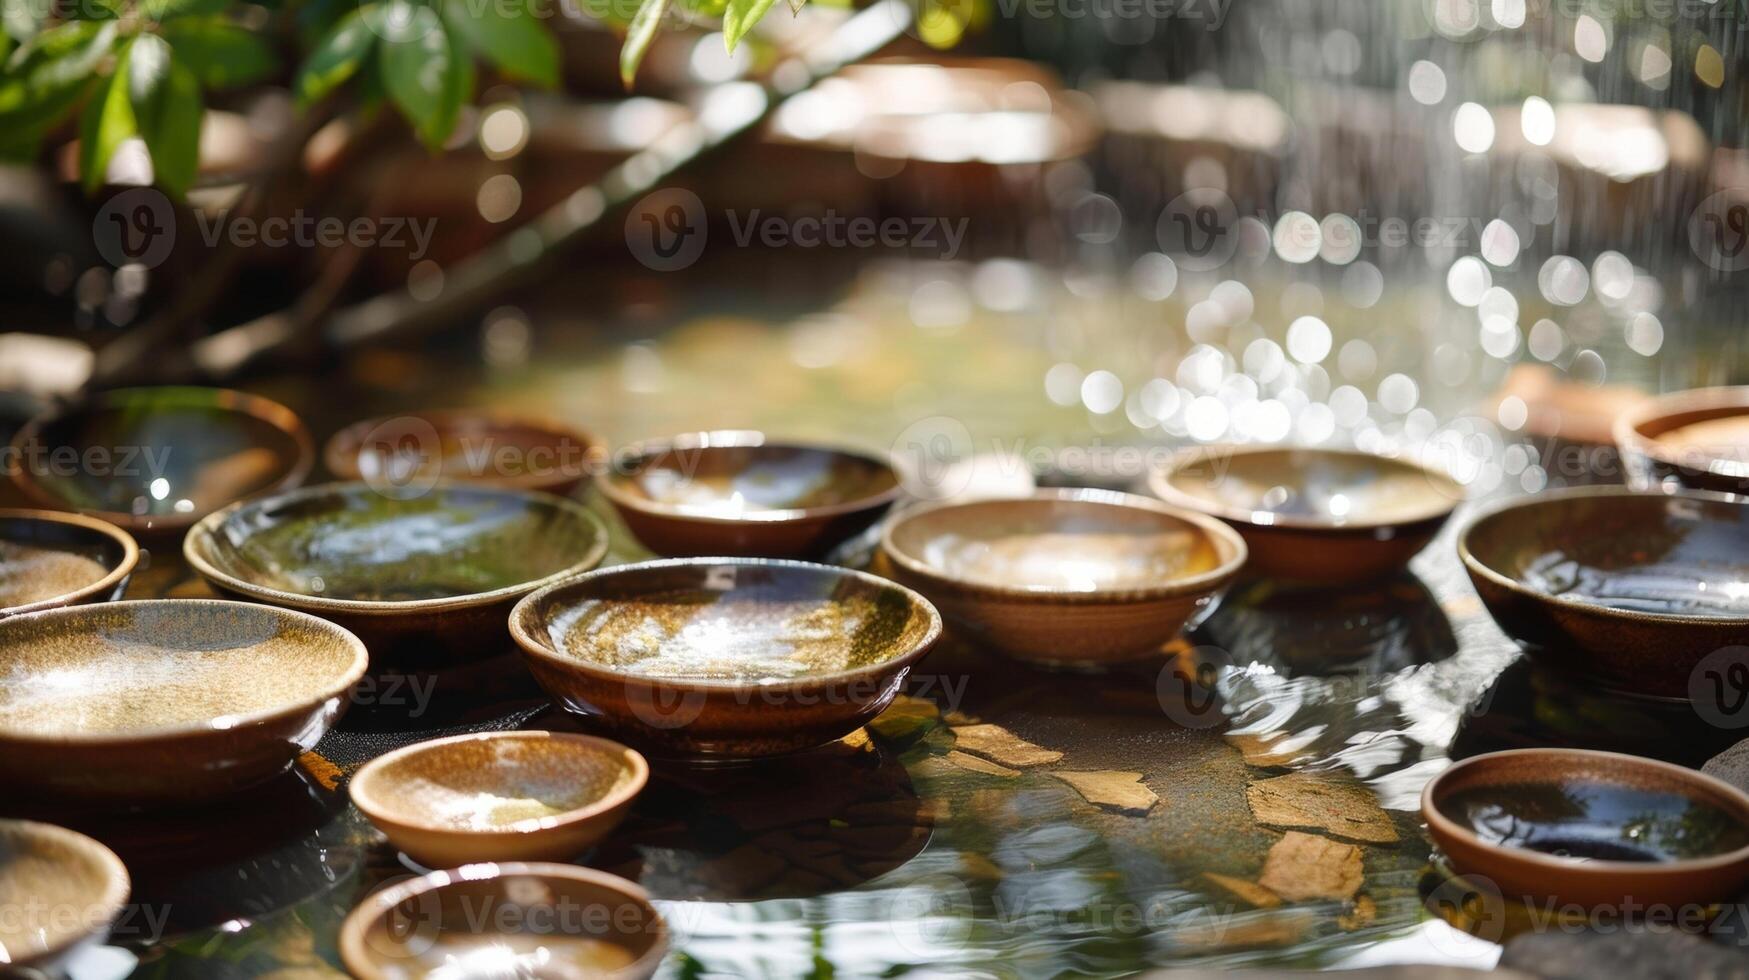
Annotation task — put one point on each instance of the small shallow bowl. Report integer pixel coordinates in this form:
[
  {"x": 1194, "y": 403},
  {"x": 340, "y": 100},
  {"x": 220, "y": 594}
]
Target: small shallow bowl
[
  {"x": 1595, "y": 829},
  {"x": 495, "y": 448},
  {"x": 1327, "y": 516},
  {"x": 425, "y": 580},
  {"x": 1629, "y": 589},
  {"x": 500, "y": 796},
  {"x": 166, "y": 700},
  {"x": 50, "y": 559},
  {"x": 725, "y": 657},
  {"x": 155, "y": 460},
  {"x": 493, "y": 920},
  {"x": 739, "y": 493},
  {"x": 1697, "y": 439},
  {"x": 61, "y": 891},
  {"x": 1071, "y": 578}
]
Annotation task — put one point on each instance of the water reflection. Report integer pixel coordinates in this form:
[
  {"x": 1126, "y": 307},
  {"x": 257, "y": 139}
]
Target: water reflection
[{"x": 1394, "y": 624}]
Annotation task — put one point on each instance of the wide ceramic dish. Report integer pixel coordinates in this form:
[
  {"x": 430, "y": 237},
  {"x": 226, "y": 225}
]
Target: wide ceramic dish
[
  {"x": 1697, "y": 439},
  {"x": 743, "y": 494},
  {"x": 725, "y": 657},
  {"x": 60, "y": 890},
  {"x": 424, "y": 580},
  {"x": 495, "y": 448},
  {"x": 50, "y": 559},
  {"x": 1324, "y": 516},
  {"x": 166, "y": 700},
  {"x": 499, "y": 796},
  {"x": 1632, "y": 590},
  {"x": 1071, "y": 578}
]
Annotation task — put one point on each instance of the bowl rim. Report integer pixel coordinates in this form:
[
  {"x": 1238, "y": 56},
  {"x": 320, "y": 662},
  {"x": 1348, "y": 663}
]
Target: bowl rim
[
  {"x": 374, "y": 906},
  {"x": 611, "y": 488},
  {"x": 1198, "y": 584},
  {"x": 1160, "y": 482},
  {"x": 340, "y": 453},
  {"x": 1478, "y": 568},
  {"x": 202, "y": 534},
  {"x": 257, "y": 407},
  {"x": 361, "y": 791},
  {"x": 336, "y": 688},
  {"x": 1630, "y": 435},
  {"x": 114, "y": 577},
  {"x": 538, "y": 647},
  {"x": 1440, "y": 823},
  {"x": 117, "y": 883}
]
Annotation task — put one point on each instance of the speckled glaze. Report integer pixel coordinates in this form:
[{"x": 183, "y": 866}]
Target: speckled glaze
[
  {"x": 50, "y": 559},
  {"x": 425, "y": 581},
  {"x": 1323, "y": 516},
  {"x": 500, "y": 796},
  {"x": 833, "y": 647},
  {"x": 1524, "y": 873},
  {"x": 210, "y": 446},
  {"x": 1520, "y": 554},
  {"x": 166, "y": 700},
  {"x": 495, "y": 448},
  {"x": 1066, "y": 578},
  {"x": 47, "y": 872},
  {"x": 741, "y": 493},
  {"x": 1697, "y": 439},
  {"x": 384, "y": 935}
]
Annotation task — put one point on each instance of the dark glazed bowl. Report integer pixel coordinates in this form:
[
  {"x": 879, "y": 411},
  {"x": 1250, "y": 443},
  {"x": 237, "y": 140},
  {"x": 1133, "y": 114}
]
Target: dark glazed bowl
[
  {"x": 50, "y": 559},
  {"x": 1674, "y": 837},
  {"x": 424, "y": 581},
  {"x": 61, "y": 891},
  {"x": 1323, "y": 516},
  {"x": 725, "y": 657},
  {"x": 155, "y": 460},
  {"x": 495, "y": 448},
  {"x": 1606, "y": 583},
  {"x": 1697, "y": 439},
  {"x": 166, "y": 700},
  {"x": 742, "y": 494}
]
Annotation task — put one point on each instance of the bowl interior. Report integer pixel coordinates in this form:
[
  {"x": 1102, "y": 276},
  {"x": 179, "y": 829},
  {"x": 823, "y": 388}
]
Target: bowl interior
[
  {"x": 1315, "y": 487},
  {"x": 124, "y": 668},
  {"x": 349, "y": 542},
  {"x": 733, "y": 481},
  {"x": 1717, "y": 431},
  {"x": 166, "y": 451},
  {"x": 1646, "y": 553},
  {"x": 458, "y": 445},
  {"x": 731, "y": 621},
  {"x": 1058, "y": 545},
  {"x": 500, "y": 782},
  {"x": 44, "y": 559},
  {"x": 45, "y": 872}
]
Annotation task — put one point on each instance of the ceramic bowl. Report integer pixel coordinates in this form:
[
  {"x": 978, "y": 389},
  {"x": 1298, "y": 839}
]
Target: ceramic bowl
[
  {"x": 165, "y": 699},
  {"x": 1322, "y": 516},
  {"x": 1071, "y": 578},
  {"x": 155, "y": 460},
  {"x": 739, "y": 493},
  {"x": 61, "y": 891},
  {"x": 50, "y": 559},
  {"x": 425, "y": 580},
  {"x": 725, "y": 657},
  {"x": 500, "y": 796},
  {"x": 483, "y": 447},
  {"x": 1697, "y": 439},
  {"x": 1595, "y": 829},
  {"x": 1631, "y": 590},
  {"x": 495, "y": 920}
]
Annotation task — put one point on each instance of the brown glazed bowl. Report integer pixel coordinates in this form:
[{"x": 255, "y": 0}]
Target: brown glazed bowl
[
  {"x": 516, "y": 451},
  {"x": 61, "y": 891},
  {"x": 499, "y": 796},
  {"x": 1607, "y": 583},
  {"x": 589, "y": 923},
  {"x": 50, "y": 559},
  {"x": 1065, "y": 578},
  {"x": 1630, "y": 833},
  {"x": 1697, "y": 439},
  {"x": 725, "y": 658},
  {"x": 165, "y": 700},
  {"x": 1324, "y": 516},
  {"x": 425, "y": 580},
  {"x": 742, "y": 494},
  {"x": 155, "y": 460}
]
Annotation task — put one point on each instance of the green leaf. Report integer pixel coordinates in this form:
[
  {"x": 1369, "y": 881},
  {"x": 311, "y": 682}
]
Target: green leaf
[
  {"x": 740, "y": 18},
  {"x": 506, "y": 33},
  {"x": 426, "y": 72},
  {"x": 166, "y": 101},
  {"x": 221, "y": 54},
  {"x": 108, "y": 119},
  {"x": 162, "y": 10},
  {"x": 336, "y": 57},
  {"x": 642, "y": 31},
  {"x": 48, "y": 75}
]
